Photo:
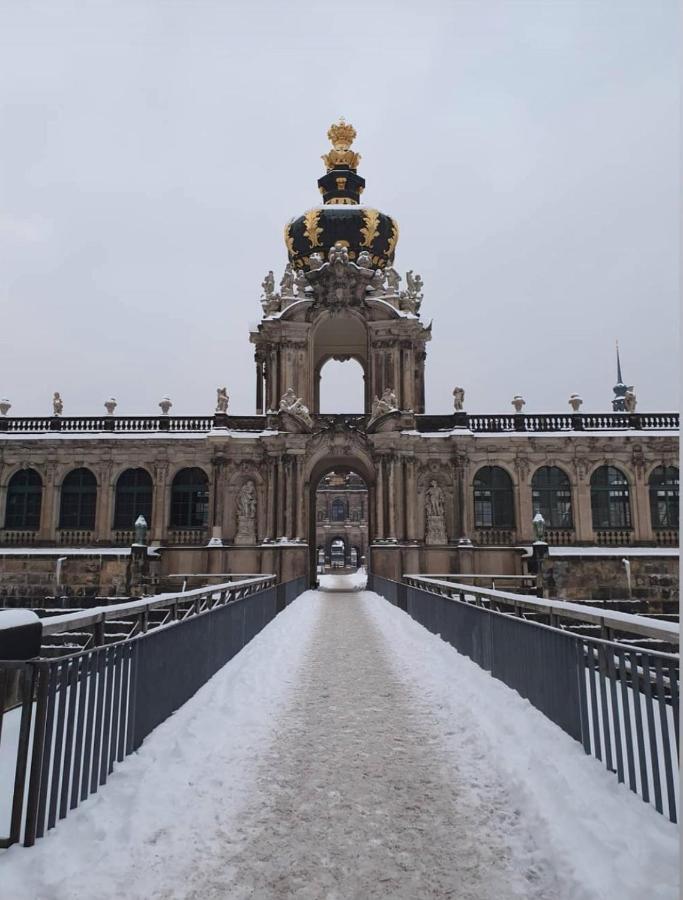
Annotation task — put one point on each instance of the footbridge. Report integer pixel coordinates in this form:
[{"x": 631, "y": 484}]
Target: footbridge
[{"x": 105, "y": 679}]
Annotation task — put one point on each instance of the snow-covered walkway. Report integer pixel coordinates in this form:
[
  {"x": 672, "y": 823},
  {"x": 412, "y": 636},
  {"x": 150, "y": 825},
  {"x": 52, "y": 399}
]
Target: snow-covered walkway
[{"x": 347, "y": 753}]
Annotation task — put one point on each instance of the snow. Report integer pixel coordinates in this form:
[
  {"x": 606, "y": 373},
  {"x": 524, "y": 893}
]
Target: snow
[
  {"x": 597, "y": 433},
  {"x": 613, "y": 551},
  {"x": 347, "y": 752},
  {"x": 70, "y": 551},
  {"x": 15, "y": 618},
  {"x": 354, "y": 581},
  {"x": 133, "y": 435}
]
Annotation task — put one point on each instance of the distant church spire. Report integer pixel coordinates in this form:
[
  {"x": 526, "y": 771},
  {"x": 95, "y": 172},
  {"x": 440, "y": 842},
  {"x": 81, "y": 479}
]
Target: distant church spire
[{"x": 619, "y": 388}]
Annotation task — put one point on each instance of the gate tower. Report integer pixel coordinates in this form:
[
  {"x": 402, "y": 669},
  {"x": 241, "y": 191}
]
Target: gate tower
[{"x": 340, "y": 298}]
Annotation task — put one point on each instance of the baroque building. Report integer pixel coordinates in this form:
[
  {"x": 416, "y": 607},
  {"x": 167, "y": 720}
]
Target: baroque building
[{"x": 450, "y": 493}]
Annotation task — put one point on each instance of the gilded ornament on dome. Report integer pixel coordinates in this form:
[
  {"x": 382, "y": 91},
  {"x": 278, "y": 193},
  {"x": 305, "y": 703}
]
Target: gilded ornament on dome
[
  {"x": 312, "y": 232},
  {"x": 370, "y": 230},
  {"x": 341, "y": 135},
  {"x": 289, "y": 239},
  {"x": 346, "y": 158},
  {"x": 393, "y": 240}
]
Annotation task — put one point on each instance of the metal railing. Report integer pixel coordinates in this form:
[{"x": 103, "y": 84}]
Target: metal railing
[
  {"x": 618, "y": 699},
  {"x": 82, "y": 713},
  {"x": 541, "y": 422}
]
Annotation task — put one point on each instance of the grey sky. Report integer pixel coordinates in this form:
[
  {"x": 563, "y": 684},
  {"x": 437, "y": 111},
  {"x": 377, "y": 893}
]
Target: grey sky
[{"x": 152, "y": 152}]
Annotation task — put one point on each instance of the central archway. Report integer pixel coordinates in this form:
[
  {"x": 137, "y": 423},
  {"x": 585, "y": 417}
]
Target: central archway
[
  {"x": 342, "y": 337},
  {"x": 345, "y": 511}
]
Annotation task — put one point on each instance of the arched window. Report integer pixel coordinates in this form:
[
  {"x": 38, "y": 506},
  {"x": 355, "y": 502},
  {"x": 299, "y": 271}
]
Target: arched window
[
  {"x": 551, "y": 495},
  {"x": 493, "y": 502},
  {"x": 610, "y": 498},
  {"x": 79, "y": 500},
  {"x": 24, "y": 496},
  {"x": 338, "y": 512},
  {"x": 664, "y": 497},
  {"x": 133, "y": 498},
  {"x": 190, "y": 499}
]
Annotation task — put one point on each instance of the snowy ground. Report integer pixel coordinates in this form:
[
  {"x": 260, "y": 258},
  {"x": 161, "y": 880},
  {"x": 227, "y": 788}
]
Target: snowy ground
[{"x": 347, "y": 753}]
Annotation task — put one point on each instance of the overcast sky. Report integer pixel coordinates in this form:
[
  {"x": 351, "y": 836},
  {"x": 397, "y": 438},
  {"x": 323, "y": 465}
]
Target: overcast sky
[{"x": 151, "y": 153}]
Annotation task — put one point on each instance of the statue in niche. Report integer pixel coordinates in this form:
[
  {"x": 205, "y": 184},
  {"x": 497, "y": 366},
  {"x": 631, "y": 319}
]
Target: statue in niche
[
  {"x": 458, "y": 399},
  {"x": 435, "y": 515},
  {"x": 287, "y": 282},
  {"x": 222, "y": 400},
  {"x": 295, "y": 406},
  {"x": 57, "y": 404},
  {"x": 246, "y": 514}
]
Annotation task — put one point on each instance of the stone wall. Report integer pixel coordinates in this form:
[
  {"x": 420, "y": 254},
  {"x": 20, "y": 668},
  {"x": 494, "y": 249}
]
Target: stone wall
[
  {"x": 31, "y": 577},
  {"x": 654, "y": 579}
]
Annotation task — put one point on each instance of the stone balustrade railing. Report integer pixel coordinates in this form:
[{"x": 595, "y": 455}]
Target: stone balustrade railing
[{"x": 553, "y": 422}]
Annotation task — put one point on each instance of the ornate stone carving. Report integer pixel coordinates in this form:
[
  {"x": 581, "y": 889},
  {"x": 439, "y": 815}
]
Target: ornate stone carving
[
  {"x": 338, "y": 255},
  {"x": 294, "y": 406},
  {"x": 387, "y": 404},
  {"x": 458, "y": 399},
  {"x": 364, "y": 260},
  {"x": 270, "y": 301},
  {"x": 411, "y": 300},
  {"x": 435, "y": 515},
  {"x": 393, "y": 280},
  {"x": 287, "y": 283},
  {"x": 246, "y": 514},
  {"x": 315, "y": 261},
  {"x": 378, "y": 285},
  {"x": 518, "y": 402},
  {"x": 57, "y": 404},
  {"x": 630, "y": 401},
  {"x": 222, "y": 400}
]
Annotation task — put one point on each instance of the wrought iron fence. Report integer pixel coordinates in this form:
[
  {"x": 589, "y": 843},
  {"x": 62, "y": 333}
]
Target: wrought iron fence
[
  {"x": 619, "y": 700},
  {"x": 82, "y": 713}
]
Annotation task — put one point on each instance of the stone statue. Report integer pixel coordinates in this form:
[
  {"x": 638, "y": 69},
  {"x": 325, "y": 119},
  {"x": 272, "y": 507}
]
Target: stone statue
[
  {"x": 364, "y": 260},
  {"x": 57, "y": 404},
  {"x": 458, "y": 399},
  {"x": 287, "y": 282},
  {"x": 575, "y": 402},
  {"x": 338, "y": 254},
  {"x": 295, "y": 406},
  {"x": 393, "y": 279},
  {"x": 518, "y": 403},
  {"x": 246, "y": 514},
  {"x": 378, "y": 283},
  {"x": 435, "y": 515},
  {"x": 387, "y": 404},
  {"x": 301, "y": 284},
  {"x": 630, "y": 401},
  {"x": 270, "y": 301},
  {"x": 110, "y": 405},
  {"x": 222, "y": 400},
  {"x": 165, "y": 405},
  {"x": 315, "y": 261},
  {"x": 5, "y": 407}
]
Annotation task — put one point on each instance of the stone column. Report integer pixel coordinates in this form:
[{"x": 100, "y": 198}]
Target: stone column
[
  {"x": 640, "y": 508},
  {"x": 466, "y": 501},
  {"x": 406, "y": 397},
  {"x": 301, "y": 499},
  {"x": 526, "y": 513},
  {"x": 290, "y": 497},
  {"x": 49, "y": 507},
  {"x": 410, "y": 499},
  {"x": 280, "y": 506},
  {"x": 391, "y": 490},
  {"x": 581, "y": 507},
  {"x": 259, "y": 385},
  {"x": 379, "y": 501},
  {"x": 103, "y": 510},
  {"x": 159, "y": 503},
  {"x": 270, "y": 499}
]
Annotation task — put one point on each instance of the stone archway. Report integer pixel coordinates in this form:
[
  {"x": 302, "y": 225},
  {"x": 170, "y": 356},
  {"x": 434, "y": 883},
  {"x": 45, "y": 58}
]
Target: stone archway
[{"x": 351, "y": 459}]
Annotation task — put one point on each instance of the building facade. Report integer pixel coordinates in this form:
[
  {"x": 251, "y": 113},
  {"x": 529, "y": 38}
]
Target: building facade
[{"x": 445, "y": 493}]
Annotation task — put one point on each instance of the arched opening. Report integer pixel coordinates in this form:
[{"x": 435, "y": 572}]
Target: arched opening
[
  {"x": 340, "y": 519},
  {"x": 341, "y": 387},
  {"x": 551, "y": 495},
  {"x": 24, "y": 497},
  {"x": 133, "y": 498},
  {"x": 190, "y": 499},
  {"x": 78, "y": 502},
  {"x": 663, "y": 485},
  {"x": 610, "y": 499},
  {"x": 340, "y": 345}
]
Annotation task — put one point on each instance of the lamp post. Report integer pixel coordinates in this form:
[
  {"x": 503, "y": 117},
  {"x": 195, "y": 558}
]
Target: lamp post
[{"x": 540, "y": 551}]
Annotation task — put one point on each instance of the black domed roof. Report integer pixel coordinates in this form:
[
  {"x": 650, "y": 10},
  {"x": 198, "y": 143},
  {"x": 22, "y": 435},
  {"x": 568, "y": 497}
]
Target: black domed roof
[{"x": 342, "y": 219}]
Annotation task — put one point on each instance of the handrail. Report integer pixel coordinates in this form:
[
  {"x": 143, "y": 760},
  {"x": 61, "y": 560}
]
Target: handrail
[
  {"x": 100, "y": 614},
  {"x": 630, "y": 623}
]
